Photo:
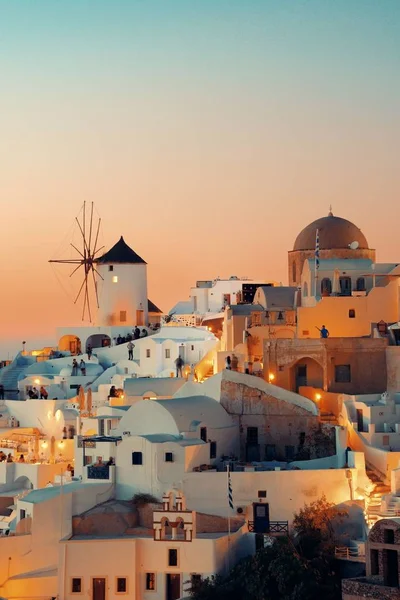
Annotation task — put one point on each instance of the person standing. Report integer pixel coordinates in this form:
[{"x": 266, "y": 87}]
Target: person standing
[
  {"x": 228, "y": 364},
  {"x": 89, "y": 351},
  {"x": 179, "y": 365},
  {"x": 82, "y": 366},
  {"x": 130, "y": 347},
  {"x": 323, "y": 332},
  {"x": 43, "y": 393},
  {"x": 74, "y": 372}
]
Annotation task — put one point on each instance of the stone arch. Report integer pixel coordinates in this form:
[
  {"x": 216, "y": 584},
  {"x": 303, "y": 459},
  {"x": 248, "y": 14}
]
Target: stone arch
[
  {"x": 306, "y": 371},
  {"x": 98, "y": 340},
  {"x": 23, "y": 482},
  {"x": 70, "y": 343}
]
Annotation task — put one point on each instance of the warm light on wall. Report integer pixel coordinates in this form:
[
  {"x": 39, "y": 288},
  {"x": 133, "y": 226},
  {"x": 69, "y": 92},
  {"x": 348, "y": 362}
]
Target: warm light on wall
[
  {"x": 61, "y": 444},
  {"x": 37, "y": 381},
  {"x": 58, "y": 415},
  {"x": 318, "y": 397},
  {"x": 271, "y": 377},
  {"x": 115, "y": 279},
  {"x": 44, "y": 444}
]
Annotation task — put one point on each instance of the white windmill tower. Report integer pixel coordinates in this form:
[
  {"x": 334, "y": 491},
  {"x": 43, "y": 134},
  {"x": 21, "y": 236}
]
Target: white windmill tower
[{"x": 123, "y": 296}]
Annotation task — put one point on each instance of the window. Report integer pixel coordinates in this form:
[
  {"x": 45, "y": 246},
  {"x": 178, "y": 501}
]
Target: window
[
  {"x": 360, "y": 285},
  {"x": 115, "y": 279},
  {"x": 169, "y": 457},
  {"x": 289, "y": 452},
  {"x": 374, "y": 562},
  {"x": 148, "y": 353},
  {"x": 262, "y": 493},
  {"x": 122, "y": 588},
  {"x": 150, "y": 582},
  {"x": 192, "y": 347},
  {"x": 388, "y": 536},
  {"x": 294, "y": 272},
  {"x": 385, "y": 440},
  {"x": 203, "y": 433},
  {"x": 137, "y": 458},
  {"x": 352, "y": 313},
  {"x": 88, "y": 461},
  {"x": 172, "y": 557},
  {"x": 302, "y": 438},
  {"x": 342, "y": 374},
  {"x": 270, "y": 452},
  {"x": 167, "y": 353},
  {"x": 76, "y": 585},
  {"x": 326, "y": 286},
  {"x": 256, "y": 318},
  {"x": 22, "y": 514},
  {"x": 195, "y": 580},
  {"x": 213, "y": 449},
  {"x": 122, "y": 316},
  {"x": 252, "y": 436},
  {"x": 110, "y": 267},
  {"x": 345, "y": 286},
  {"x": 101, "y": 427}
]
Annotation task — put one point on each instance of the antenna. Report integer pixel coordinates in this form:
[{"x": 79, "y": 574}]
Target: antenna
[{"x": 354, "y": 245}]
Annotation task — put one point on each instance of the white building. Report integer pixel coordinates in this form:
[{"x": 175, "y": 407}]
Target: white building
[{"x": 209, "y": 299}]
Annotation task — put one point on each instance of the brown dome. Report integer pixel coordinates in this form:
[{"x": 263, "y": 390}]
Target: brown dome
[{"x": 334, "y": 232}]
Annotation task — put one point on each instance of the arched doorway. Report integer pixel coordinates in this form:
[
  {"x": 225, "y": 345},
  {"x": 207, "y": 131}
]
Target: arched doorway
[
  {"x": 98, "y": 340},
  {"x": 306, "y": 372},
  {"x": 70, "y": 343}
]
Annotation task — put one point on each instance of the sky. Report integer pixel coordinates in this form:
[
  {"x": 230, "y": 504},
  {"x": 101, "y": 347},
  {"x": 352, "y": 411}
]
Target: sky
[{"x": 207, "y": 132}]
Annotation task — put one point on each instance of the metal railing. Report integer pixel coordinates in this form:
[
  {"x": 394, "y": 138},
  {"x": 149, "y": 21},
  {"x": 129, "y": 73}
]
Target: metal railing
[
  {"x": 101, "y": 472},
  {"x": 277, "y": 527},
  {"x": 346, "y": 552}
]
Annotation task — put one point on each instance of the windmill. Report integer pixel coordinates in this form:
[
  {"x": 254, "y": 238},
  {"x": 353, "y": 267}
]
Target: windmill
[{"x": 86, "y": 250}]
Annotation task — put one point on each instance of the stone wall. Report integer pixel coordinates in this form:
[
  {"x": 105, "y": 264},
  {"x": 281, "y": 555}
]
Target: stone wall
[
  {"x": 279, "y": 423},
  {"x": 362, "y": 588}
]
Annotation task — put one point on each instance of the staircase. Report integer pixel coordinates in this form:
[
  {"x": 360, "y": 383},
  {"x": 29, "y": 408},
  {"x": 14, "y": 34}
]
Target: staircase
[
  {"x": 373, "y": 499},
  {"x": 208, "y": 374},
  {"x": 328, "y": 418},
  {"x": 10, "y": 375}
]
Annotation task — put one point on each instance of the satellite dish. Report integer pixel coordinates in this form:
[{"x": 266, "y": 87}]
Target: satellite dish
[{"x": 354, "y": 245}]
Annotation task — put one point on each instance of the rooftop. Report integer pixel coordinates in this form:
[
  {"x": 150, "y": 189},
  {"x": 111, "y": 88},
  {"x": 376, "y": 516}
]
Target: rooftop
[{"x": 121, "y": 253}]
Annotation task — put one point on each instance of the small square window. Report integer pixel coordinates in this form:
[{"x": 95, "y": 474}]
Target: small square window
[
  {"x": 148, "y": 353},
  {"x": 110, "y": 267},
  {"x": 342, "y": 374},
  {"x": 388, "y": 536},
  {"x": 262, "y": 493},
  {"x": 169, "y": 457},
  {"x": 137, "y": 458},
  {"x": 172, "y": 557},
  {"x": 121, "y": 585},
  {"x": 167, "y": 353},
  {"x": 352, "y": 313},
  {"x": 76, "y": 587},
  {"x": 150, "y": 582},
  {"x": 192, "y": 347},
  {"x": 115, "y": 279}
]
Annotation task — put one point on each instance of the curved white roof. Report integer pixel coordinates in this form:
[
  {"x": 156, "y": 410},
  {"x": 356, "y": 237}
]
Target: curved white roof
[{"x": 174, "y": 416}]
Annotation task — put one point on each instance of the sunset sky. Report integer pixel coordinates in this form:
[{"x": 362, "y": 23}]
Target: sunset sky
[{"x": 207, "y": 132}]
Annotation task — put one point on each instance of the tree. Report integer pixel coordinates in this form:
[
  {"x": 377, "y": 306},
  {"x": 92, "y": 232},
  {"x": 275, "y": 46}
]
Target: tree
[{"x": 293, "y": 568}]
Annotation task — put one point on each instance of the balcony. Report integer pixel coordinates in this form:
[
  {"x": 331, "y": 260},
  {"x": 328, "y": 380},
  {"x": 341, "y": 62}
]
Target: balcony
[
  {"x": 102, "y": 472},
  {"x": 274, "y": 528}
]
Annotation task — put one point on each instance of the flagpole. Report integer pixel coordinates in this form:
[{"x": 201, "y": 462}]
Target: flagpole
[
  {"x": 229, "y": 515},
  {"x": 316, "y": 262}
]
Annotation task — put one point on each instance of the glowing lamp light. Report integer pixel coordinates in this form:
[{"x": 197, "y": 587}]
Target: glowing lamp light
[
  {"x": 122, "y": 397},
  {"x": 61, "y": 444},
  {"x": 37, "y": 381},
  {"x": 318, "y": 397},
  {"x": 271, "y": 377},
  {"x": 58, "y": 415},
  {"x": 44, "y": 444}
]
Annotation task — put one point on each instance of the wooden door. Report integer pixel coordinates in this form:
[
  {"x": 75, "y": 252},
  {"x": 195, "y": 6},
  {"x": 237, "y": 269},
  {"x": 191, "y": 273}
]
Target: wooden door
[
  {"x": 173, "y": 586},
  {"x": 98, "y": 588}
]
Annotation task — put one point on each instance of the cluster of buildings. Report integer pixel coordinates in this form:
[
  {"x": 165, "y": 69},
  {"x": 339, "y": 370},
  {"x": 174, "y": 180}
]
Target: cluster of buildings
[{"x": 132, "y": 457}]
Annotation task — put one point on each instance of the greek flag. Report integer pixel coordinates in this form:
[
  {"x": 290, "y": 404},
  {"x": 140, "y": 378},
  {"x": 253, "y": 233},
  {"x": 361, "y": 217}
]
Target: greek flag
[
  {"x": 317, "y": 250},
  {"x": 230, "y": 495}
]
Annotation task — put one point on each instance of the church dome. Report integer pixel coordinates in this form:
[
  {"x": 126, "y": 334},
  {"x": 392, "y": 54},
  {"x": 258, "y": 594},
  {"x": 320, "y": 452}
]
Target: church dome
[{"x": 334, "y": 232}]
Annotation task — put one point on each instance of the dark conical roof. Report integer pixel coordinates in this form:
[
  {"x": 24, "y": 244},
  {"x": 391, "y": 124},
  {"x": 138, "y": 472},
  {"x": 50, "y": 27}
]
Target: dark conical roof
[
  {"x": 121, "y": 253},
  {"x": 334, "y": 232},
  {"x": 152, "y": 308}
]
